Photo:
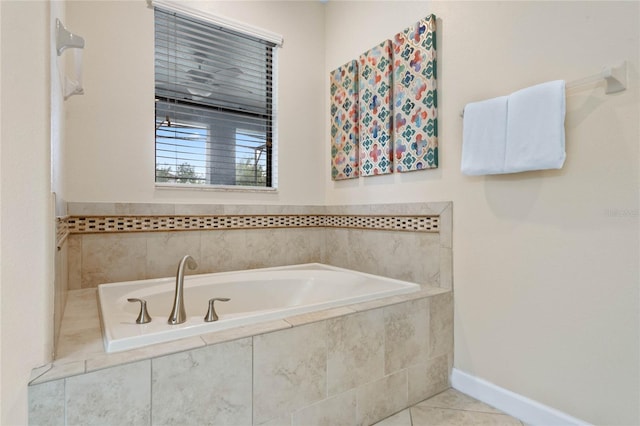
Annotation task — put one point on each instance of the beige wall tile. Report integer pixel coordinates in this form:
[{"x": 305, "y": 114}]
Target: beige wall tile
[
  {"x": 406, "y": 327},
  {"x": 267, "y": 247},
  {"x": 337, "y": 249},
  {"x": 409, "y": 256},
  {"x": 364, "y": 250},
  {"x": 46, "y": 404},
  {"x": 355, "y": 352},
  {"x": 144, "y": 209},
  {"x": 304, "y": 245},
  {"x": 118, "y": 395},
  {"x": 199, "y": 209},
  {"x": 113, "y": 258},
  {"x": 428, "y": 379},
  {"x": 441, "y": 324},
  {"x": 446, "y": 227},
  {"x": 339, "y": 410},
  {"x": 91, "y": 209},
  {"x": 223, "y": 250},
  {"x": 381, "y": 398},
  {"x": 249, "y": 209},
  {"x": 263, "y": 247},
  {"x": 289, "y": 368},
  {"x": 282, "y": 246},
  {"x": 425, "y": 259},
  {"x": 74, "y": 262},
  {"x": 446, "y": 268},
  {"x": 166, "y": 249},
  {"x": 210, "y": 385}
]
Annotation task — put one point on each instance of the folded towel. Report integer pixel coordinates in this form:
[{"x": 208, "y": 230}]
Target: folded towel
[
  {"x": 516, "y": 133},
  {"x": 484, "y": 137},
  {"x": 535, "y": 128}
]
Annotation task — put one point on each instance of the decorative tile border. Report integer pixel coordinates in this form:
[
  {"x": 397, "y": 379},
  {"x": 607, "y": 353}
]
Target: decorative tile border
[
  {"x": 123, "y": 223},
  {"x": 389, "y": 223}
]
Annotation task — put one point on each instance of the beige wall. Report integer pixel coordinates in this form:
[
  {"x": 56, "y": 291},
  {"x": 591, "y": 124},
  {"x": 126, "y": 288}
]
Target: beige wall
[
  {"x": 110, "y": 151},
  {"x": 26, "y": 214},
  {"x": 545, "y": 263}
]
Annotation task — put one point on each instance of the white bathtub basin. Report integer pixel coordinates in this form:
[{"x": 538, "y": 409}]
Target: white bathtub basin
[{"x": 256, "y": 295}]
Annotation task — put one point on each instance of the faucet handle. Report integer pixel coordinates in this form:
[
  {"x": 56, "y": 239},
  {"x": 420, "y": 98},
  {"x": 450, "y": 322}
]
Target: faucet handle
[
  {"x": 211, "y": 313},
  {"x": 143, "y": 316}
]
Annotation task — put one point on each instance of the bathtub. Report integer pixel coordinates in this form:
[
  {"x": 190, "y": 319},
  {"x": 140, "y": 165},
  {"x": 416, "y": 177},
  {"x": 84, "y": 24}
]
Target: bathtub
[{"x": 256, "y": 295}]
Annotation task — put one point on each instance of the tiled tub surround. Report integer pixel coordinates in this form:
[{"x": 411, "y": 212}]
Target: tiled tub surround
[
  {"x": 410, "y": 242},
  {"x": 345, "y": 366},
  {"x": 359, "y": 363}
]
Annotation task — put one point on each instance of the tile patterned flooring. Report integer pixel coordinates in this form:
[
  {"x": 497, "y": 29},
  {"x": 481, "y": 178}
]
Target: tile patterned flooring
[{"x": 450, "y": 408}]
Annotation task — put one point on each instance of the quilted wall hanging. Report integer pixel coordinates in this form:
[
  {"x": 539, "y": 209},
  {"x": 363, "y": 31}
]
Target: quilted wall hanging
[
  {"x": 415, "y": 97},
  {"x": 395, "y": 125},
  {"x": 344, "y": 122},
  {"x": 374, "y": 92}
]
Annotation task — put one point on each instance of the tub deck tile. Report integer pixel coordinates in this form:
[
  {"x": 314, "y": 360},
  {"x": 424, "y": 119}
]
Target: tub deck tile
[
  {"x": 244, "y": 331},
  {"x": 393, "y": 300},
  {"x": 310, "y": 317},
  {"x": 59, "y": 370},
  {"x": 105, "y": 360}
]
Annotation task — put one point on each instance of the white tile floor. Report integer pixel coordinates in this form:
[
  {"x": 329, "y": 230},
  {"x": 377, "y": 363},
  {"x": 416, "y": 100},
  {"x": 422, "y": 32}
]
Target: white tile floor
[{"x": 450, "y": 408}]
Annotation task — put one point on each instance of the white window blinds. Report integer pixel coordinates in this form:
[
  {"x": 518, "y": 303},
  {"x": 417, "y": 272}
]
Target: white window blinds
[{"x": 214, "y": 109}]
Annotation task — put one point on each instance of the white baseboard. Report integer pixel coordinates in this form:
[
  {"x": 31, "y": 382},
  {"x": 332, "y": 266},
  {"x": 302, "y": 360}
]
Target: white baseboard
[{"x": 518, "y": 406}]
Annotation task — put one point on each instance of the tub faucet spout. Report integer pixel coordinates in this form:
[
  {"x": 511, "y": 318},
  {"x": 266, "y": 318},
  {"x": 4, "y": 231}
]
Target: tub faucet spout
[{"x": 178, "y": 314}]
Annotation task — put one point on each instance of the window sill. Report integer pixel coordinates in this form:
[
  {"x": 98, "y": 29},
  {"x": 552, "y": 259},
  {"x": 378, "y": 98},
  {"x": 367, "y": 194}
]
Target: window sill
[{"x": 214, "y": 188}]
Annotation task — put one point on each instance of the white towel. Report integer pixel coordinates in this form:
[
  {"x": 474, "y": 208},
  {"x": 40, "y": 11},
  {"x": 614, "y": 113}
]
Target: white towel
[
  {"x": 535, "y": 128},
  {"x": 484, "y": 137}
]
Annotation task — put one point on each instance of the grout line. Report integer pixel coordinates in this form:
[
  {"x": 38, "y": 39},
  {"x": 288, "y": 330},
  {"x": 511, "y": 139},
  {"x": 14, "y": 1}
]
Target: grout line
[
  {"x": 410, "y": 416},
  {"x": 469, "y": 411},
  {"x": 64, "y": 402},
  {"x": 253, "y": 350},
  {"x": 151, "y": 391}
]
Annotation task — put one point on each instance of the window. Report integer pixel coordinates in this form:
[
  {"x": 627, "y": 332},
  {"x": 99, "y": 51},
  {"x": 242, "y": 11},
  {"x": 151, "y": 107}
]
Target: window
[{"x": 214, "y": 104}]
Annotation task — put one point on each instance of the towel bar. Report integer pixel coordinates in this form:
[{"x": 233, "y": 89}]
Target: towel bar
[{"x": 615, "y": 79}]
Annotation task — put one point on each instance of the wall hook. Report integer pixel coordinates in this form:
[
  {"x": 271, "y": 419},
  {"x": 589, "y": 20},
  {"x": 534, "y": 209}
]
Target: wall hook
[
  {"x": 615, "y": 78},
  {"x": 66, "y": 39}
]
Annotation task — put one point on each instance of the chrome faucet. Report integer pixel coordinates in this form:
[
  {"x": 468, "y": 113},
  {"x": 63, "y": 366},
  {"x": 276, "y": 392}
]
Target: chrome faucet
[{"x": 178, "y": 314}]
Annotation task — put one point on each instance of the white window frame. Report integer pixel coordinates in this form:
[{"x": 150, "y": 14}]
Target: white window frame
[{"x": 241, "y": 27}]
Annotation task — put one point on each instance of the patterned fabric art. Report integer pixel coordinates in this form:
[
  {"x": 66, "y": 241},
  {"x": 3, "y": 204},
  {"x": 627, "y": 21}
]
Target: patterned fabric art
[
  {"x": 374, "y": 92},
  {"x": 415, "y": 102},
  {"x": 344, "y": 122}
]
